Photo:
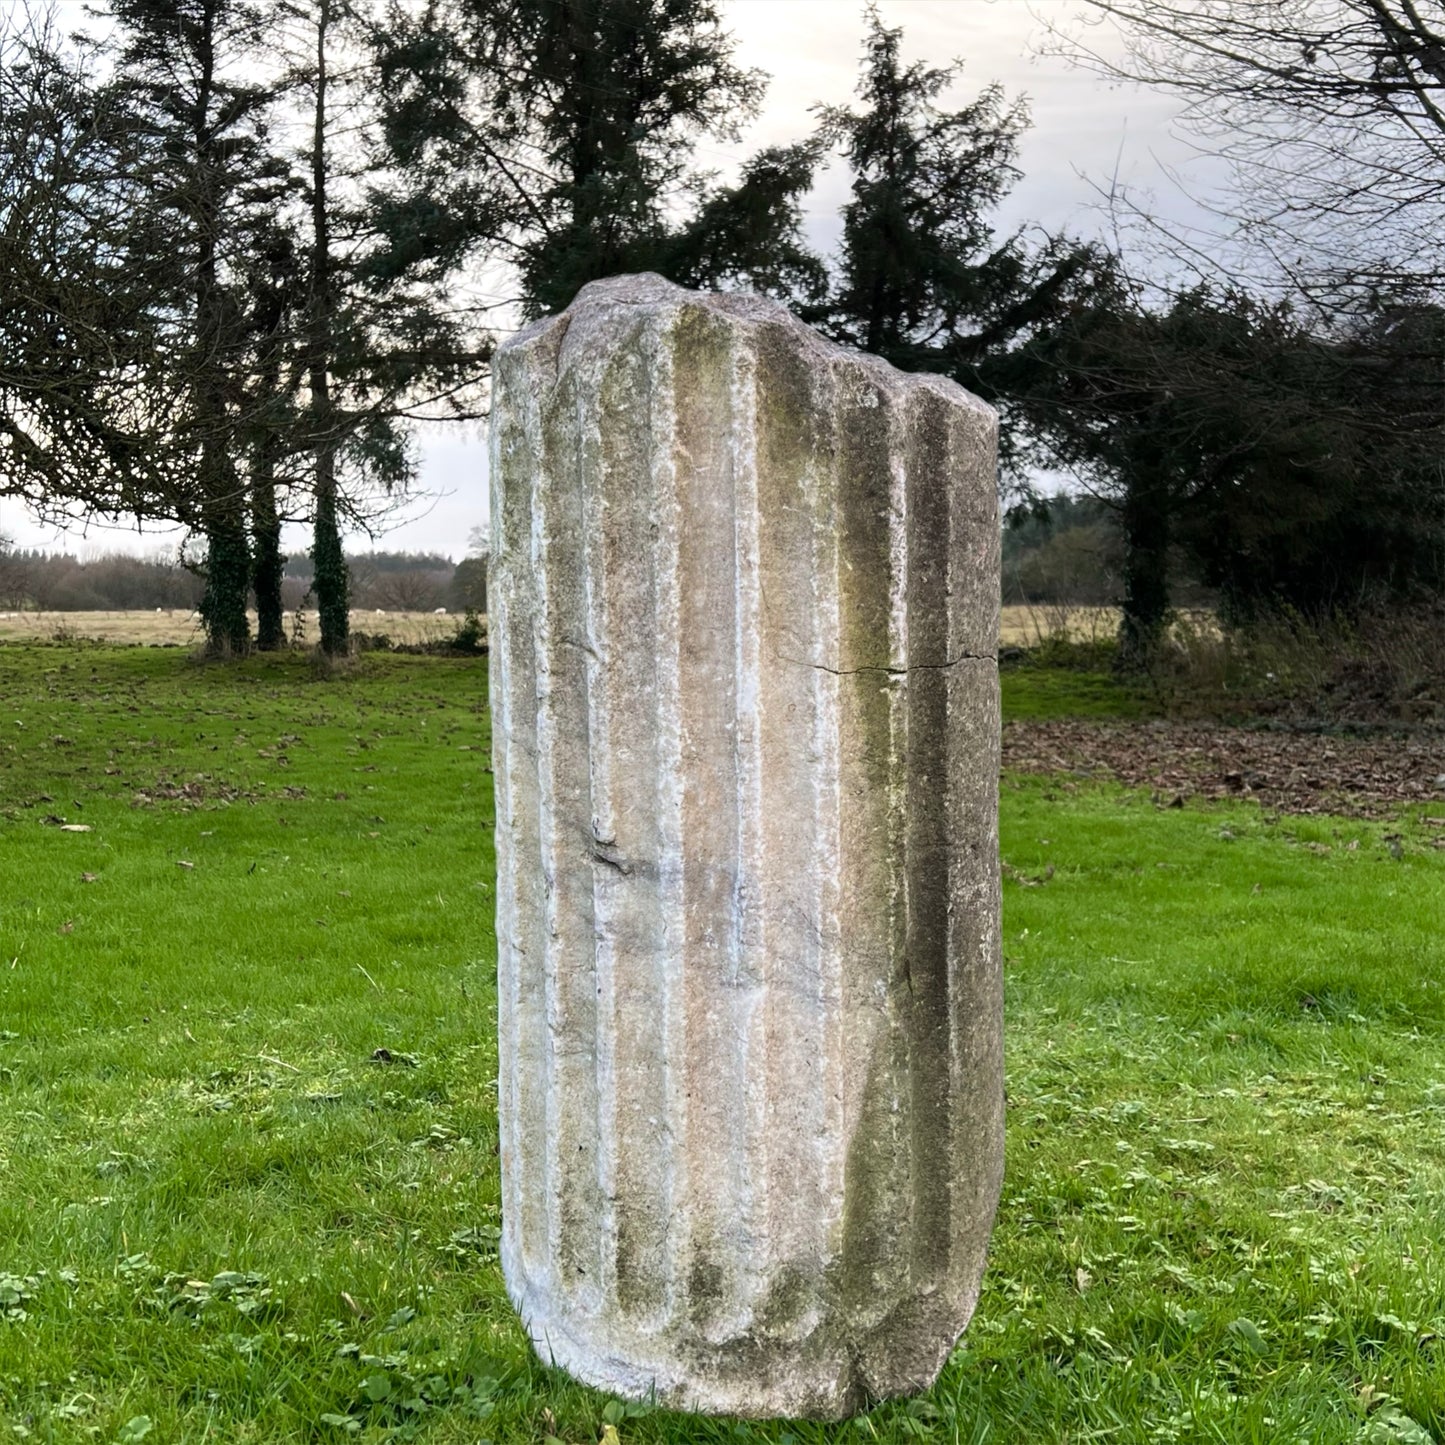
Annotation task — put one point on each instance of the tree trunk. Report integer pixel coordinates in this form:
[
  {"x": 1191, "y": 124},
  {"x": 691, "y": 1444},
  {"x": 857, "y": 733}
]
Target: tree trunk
[
  {"x": 330, "y": 582},
  {"x": 228, "y": 573},
  {"x": 1145, "y": 519},
  {"x": 228, "y": 562},
  {"x": 267, "y": 565}
]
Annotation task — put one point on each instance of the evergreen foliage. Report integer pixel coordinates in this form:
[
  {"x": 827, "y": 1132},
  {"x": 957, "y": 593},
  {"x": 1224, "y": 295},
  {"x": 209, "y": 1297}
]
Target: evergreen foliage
[
  {"x": 207, "y": 338},
  {"x": 559, "y": 136},
  {"x": 85, "y": 396},
  {"x": 923, "y": 279},
  {"x": 204, "y": 192},
  {"x": 1285, "y": 464}
]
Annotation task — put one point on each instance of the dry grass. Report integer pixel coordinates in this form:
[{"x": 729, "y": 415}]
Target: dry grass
[
  {"x": 1384, "y": 665},
  {"x": 1028, "y": 624},
  {"x": 183, "y": 628},
  {"x": 1022, "y": 626}
]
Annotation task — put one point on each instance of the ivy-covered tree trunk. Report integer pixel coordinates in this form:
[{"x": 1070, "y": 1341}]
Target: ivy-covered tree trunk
[
  {"x": 228, "y": 577},
  {"x": 272, "y": 300},
  {"x": 1145, "y": 519},
  {"x": 267, "y": 565},
  {"x": 228, "y": 557},
  {"x": 330, "y": 583}
]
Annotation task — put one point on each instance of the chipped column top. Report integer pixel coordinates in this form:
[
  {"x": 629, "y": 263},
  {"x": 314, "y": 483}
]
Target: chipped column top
[{"x": 593, "y": 306}]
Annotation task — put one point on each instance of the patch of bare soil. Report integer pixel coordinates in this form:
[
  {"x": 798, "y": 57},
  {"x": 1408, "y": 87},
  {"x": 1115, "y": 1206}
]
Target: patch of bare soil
[{"x": 1287, "y": 771}]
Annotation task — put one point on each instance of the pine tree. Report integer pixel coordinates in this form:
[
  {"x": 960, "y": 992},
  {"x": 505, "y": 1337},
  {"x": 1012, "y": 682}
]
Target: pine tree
[
  {"x": 558, "y": 136},
  {"x": 922, "y": 278},
  {"x": 1288, "y": 467},
  {"x": 86, "y": 396},
  {"x": 331, "y": 582},
  {"x": 178, "y": 67},
  {"x": 199, "y": 326}
]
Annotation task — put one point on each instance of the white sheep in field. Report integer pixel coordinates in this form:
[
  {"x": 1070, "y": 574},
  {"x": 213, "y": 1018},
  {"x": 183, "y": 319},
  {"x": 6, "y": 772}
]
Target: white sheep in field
[{"x": 440, "y": 612}]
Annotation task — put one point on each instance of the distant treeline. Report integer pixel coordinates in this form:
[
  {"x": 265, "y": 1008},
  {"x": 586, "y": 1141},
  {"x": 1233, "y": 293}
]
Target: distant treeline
[
  {"x": 1071, "y": 551},
  {"x": 118, "y": 582}
]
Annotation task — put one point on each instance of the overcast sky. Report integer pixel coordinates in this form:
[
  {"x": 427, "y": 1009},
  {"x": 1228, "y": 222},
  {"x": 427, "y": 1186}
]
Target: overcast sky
[{"x": 1084, "y": 133}]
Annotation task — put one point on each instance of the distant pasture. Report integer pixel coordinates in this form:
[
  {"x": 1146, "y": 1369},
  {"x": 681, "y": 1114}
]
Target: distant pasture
[
  {"x": 182, "y": 628},
  {"x": 1021, "y": 626}
]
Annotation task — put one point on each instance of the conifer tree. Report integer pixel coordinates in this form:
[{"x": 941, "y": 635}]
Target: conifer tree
[
  {"x": 330, "y": 577},
  {"x": 85, "y": 396},
  {"x": 922, "y": 277},
  {"x": 179, "y": 68},
  {"x": 382, "y": 340},
  {"x": 558, "y": 136}
]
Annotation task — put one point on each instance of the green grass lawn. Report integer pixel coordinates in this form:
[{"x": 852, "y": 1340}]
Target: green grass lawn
[
  {"x": 248, "y": 1174},
  {"x": 1036, "y": 692}
]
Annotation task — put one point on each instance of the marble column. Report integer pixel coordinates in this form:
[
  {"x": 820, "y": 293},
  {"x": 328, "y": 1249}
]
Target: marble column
[{"x": 744, "y": 617}]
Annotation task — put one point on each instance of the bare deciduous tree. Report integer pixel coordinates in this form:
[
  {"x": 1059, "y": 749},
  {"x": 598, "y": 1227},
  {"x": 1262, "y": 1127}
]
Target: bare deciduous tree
[{"x": 1329, "y": 113}]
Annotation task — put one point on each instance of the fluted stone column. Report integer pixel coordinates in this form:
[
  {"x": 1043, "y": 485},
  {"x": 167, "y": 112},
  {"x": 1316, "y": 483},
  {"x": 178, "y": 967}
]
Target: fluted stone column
[{"x": 744, "y": 610}]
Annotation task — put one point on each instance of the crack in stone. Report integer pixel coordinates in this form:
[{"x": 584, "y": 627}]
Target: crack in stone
[
  {"x": 620, "y": 864},
  {"x": 897, "y": 671},
  {"x": 582, "y": 646}
]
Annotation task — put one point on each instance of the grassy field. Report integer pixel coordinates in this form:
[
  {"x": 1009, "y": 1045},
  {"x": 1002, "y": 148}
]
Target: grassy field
[{"x": 248, "y": 1184}]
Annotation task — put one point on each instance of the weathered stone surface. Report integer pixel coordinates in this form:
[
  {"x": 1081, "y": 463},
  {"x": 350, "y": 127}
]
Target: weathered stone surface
[{"x": 744, "y": 611}]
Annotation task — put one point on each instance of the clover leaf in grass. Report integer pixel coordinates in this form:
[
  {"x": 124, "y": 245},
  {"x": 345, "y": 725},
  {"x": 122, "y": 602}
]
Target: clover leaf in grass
[
  {"x": 16, "y": 1291},
  {"x": 1393, "y": 1427},
  {"x": 1247, "y": 1331}
]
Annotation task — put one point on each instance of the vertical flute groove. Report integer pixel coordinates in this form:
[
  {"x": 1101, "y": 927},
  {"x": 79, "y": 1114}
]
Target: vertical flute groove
[
  {"x": 667, "y": 796},
  {"x": 564, "y": 781},
  {"x": 747, "y": 942},
  {"x": 718, "y": 1201},
  {"x": 611, "y": 1046},
  {"x": 522, "y": 988}
]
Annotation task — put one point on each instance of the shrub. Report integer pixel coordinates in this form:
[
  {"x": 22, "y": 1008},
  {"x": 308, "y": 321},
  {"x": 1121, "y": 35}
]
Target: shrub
[{"x": 1385, "y": 665}]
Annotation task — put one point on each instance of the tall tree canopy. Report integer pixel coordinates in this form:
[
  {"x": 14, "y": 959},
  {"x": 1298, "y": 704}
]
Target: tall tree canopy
[
  {"x": 1228, "y": 428},
  {"x": 922, "y": 277},
  {"x": 1304, "y": 434},
  {"x": 378, "y": 338},
  {"x": 204, "y": 192},
  {"x": 558, "y": 137},
  {"x": 235, "y": 241},
  {"x": 85, "y": 394},
  {"x": 198, "y": 326}
]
